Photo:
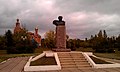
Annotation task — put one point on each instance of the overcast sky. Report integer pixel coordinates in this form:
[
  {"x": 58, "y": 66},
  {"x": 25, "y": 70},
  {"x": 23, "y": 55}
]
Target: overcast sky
[{"x": 83, "y": 17}]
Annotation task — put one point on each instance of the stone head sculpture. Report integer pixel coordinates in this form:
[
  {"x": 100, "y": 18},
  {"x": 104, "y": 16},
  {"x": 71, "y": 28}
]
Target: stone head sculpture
[{"x": 60, "y": 18}]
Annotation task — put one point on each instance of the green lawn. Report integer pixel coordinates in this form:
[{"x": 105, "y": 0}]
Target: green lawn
[
  {"x": 108, "y": 55},
  {"x": 115, "y": 55},
  {"x": 84, "y": 49},
  {"x": 40, "y": 50},
  {"x": 5, "y": 56},
  {"x": 2, "y": 52}
]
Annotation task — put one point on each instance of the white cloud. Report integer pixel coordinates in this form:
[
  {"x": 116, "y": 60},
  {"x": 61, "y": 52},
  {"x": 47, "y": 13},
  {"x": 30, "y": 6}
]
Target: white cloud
[
  {"x": 82, "y": 17},
  {"x": 84, "y": 23}
]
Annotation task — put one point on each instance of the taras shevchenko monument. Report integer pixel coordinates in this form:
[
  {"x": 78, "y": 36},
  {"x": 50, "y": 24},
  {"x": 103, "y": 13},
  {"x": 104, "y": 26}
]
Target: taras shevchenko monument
[{"x": 60, "y": 35}]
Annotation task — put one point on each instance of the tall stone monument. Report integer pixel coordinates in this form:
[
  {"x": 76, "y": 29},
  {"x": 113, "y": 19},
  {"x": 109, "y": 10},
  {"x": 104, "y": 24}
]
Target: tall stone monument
[{"x": 60, "y": 35}]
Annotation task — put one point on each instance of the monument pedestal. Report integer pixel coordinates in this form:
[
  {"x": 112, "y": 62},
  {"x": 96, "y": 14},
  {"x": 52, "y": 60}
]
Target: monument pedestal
[{"x": 60, "y": 35}]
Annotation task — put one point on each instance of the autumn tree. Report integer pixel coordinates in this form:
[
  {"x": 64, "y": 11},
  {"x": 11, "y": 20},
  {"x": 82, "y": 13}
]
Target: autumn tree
[{"x": 50, "y": 39}]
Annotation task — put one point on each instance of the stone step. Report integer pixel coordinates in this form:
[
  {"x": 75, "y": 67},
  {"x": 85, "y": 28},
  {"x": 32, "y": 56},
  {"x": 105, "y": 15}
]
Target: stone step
[
  {"x": 73, "y": 61},
  {"x": 80, "y": 60},
  {"x": 85, "y": 68},
  {"x": 75, "y": 53},
  {"x": 72, "y": 56},
  {"x": 76, "y": 66},
  {"x": 70, "y": 60},
  {"x": 83, "y": 65},
  {"x": 68, "y": 63},
  {"x": 63, "y": 53},
  {"x": 69, "y": 66},
  {"x": 66, "y": 58},
  {"x": 79, "y": 63},
  {"x": 77, "y": 56},
  {"x": 86, "y": 65}
]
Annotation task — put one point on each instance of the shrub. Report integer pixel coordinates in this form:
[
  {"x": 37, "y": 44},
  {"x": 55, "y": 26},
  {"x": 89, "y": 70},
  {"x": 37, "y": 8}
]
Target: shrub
[
  {"x": 19, "y": 48},
  {"x": 101, "y": 50},
  {"x": 111, "y": 50}
]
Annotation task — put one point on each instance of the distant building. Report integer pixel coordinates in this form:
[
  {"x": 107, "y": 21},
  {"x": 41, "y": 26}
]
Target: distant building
[
  {"x": 34, "y": 37},
  {"x": 18, "y": 28}
]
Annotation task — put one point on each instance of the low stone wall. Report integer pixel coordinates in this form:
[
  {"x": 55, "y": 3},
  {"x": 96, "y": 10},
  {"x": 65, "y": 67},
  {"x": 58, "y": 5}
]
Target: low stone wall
[
  {"x": 92, "y": 63},
  {"x": 27, "y": 67},
  {"x": 37, "y": 57}
]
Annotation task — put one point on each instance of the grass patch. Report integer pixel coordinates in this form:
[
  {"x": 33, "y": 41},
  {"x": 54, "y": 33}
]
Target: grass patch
[
  {"x": 84, "y": 49},
  {"x": 99, "y": 61},
  {"x": 40, "y": 50},
  {"x": 109, "y": 55},
  {"x": 44, "y": 61},
  {"x": 2, "y": 52},
  {"x": 3, "y": 59},
  {"x": 7, "y": 56}
]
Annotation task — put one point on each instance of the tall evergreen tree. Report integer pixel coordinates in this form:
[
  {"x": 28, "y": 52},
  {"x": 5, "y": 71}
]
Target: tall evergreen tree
[
  {"x": 95, "y": 36},
  {"x": 118, "y": 42},
  {"x": 105, "y": 34},
  {"x": 9, "y": 38},
  {"x": 91, "y": 37},
  {"x": 100, "y": 33}
]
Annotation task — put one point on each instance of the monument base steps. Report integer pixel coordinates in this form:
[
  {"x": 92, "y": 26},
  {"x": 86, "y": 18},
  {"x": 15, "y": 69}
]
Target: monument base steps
[{"x": 73, "y": 61}]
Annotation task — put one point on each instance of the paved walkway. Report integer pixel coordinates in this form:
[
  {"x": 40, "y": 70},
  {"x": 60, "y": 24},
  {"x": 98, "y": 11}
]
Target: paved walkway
[
  {"x": 17, "y": 65},
  {"x": 87, "y": 70},
  {"x": 13, "y": 64}
]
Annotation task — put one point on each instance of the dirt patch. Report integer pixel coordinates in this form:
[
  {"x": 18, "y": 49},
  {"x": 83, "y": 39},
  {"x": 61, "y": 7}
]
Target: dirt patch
[
  {"x": 44, "y": 61},
  {"x": 99, "y": 61}
]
